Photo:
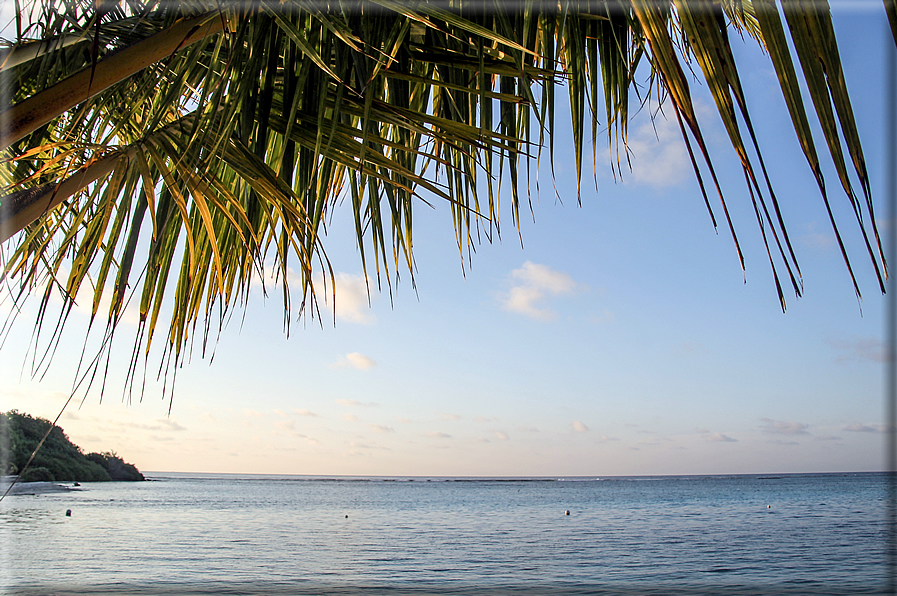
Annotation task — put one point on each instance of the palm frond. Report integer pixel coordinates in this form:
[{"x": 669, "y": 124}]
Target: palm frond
[{"x": 180, "y": 149}]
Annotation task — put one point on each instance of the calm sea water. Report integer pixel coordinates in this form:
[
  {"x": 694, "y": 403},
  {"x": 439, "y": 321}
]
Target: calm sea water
[{"x": 192, "y": 534}]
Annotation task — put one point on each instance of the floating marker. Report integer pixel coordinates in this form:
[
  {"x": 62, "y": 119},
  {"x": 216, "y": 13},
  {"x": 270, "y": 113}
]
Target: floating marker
[{"x": 68, "y": 512}]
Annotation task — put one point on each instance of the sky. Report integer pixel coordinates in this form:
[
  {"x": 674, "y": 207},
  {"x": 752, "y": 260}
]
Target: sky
[{"x": 619, "y": 337}]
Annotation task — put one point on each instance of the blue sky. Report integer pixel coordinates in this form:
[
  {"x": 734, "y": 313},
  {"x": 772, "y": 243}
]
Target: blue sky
[{"x": 620, "y": 338}]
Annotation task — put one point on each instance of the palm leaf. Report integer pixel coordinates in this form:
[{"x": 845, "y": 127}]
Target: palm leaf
[{"x": 237, "y": 130}]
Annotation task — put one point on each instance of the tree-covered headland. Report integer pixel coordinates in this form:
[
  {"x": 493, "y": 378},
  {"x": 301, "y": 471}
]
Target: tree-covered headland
[{"x": 58, "y": 459}]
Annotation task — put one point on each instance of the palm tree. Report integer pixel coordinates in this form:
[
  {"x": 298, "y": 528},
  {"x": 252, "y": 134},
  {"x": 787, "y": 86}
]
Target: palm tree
[{"x": 196, "y": 143}]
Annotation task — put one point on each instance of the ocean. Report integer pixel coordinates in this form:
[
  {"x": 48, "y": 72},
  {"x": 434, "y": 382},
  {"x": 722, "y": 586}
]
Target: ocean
[{"x": 810, "y": 534}]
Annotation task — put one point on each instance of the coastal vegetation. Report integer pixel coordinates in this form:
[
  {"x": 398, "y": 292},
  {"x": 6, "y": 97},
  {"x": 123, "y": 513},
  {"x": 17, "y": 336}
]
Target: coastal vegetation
[
  {"x": 178, "y": 152},
  {"x": 58, "y": 459}
]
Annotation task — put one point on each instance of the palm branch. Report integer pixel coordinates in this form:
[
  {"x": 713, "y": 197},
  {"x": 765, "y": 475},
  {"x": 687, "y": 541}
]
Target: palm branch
[{"x": 181, "y": 149}]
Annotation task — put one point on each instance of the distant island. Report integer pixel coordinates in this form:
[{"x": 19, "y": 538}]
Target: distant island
[{"x": 58, "y": 460}]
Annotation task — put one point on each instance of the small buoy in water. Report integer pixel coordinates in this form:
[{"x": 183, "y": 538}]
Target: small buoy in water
[
  {"x": 769, "y": 506},
  {"x": 566, "y": 512},
  {"x": 77, "y": 484},
  {"x": 68, "y": 512},
  {"x": 347, "y": 517}
]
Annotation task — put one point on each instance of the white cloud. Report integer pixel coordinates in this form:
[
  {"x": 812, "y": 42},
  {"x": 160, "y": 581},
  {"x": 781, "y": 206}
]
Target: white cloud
[
  {"x": 857, "y": 427},
  {"x": 812, "y": 238},
  {"x": 352, "y": 299},
  {"x": 161, "y": 424},
  {"x": 447, "y": 416},
  {"x": 285, "y": 425},
  {"x": 860, "y": 348},
  {"x": 721, "y": 438},
  {"x": 605, "y": 317},
  {"x": 129, "y": 312},
  {"x": 170, "y": 424},
  {"x": 439, "y": 435},
  {"x": 304, "y": 412},
  {"x": 783, "y": 442},
  {"x": 522, "y": 300},
  {"x": 354, "y": 360},
  {"x": 533, "y": 284},
  {"x": 381, "y": 428},
  {"x": 658, "y": 154},
  {"x": 545, "y": 278},
  {"x": 579, "y": 426},
  {"x": 355, "y": 403},
  {"x": 501, "y": 436},
  {"x": 780, "y": 427},
  {"x": 357, "y": 445}
]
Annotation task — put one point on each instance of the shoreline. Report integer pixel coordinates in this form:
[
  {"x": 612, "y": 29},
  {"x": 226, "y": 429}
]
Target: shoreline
[{"x": 34, "y": 488}]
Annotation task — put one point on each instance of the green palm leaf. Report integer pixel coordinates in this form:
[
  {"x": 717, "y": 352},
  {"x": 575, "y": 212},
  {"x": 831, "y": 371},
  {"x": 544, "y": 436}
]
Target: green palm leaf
[{"x": 230, "y": 131}]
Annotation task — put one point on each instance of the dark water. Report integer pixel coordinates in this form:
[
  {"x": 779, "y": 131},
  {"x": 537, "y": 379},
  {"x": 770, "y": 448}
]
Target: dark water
[{"x": 790, "y": 534}]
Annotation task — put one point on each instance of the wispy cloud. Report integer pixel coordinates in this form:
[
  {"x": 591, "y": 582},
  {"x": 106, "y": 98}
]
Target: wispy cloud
[
  {"x": 353, "y": 303},
  {"x": 813, "y": 238},
  {"x": 304, "y": 412},
  {"x": 83, "y": 303},
  {"x": 285, "y": 425},
  {"x": 448, "y": 416},
  {"x": 658, "y": 154},
  {"x": 720, "y": 438},
  {"x": 170, "y": 424},
  {"x": 380, "y": 428},
  {"x": 439, "y": 435},
  {"x": 161, "y": 424},
  {"x": 781, "y": 427},
  {"x": 354, "y": 403},
  {"x": 860, "y": 348},
  {"x": 579, "y": 427},
  {"x": 501, "y": 436},
  {"x": 354, "y": 360},
  {"x": 782, "y": 442},
  {"x": 857, "y": 427},
  {"x": 604, "y": 317},
  {"x": 533, "y": 283},
  {"x": 693, "y": 347}
]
